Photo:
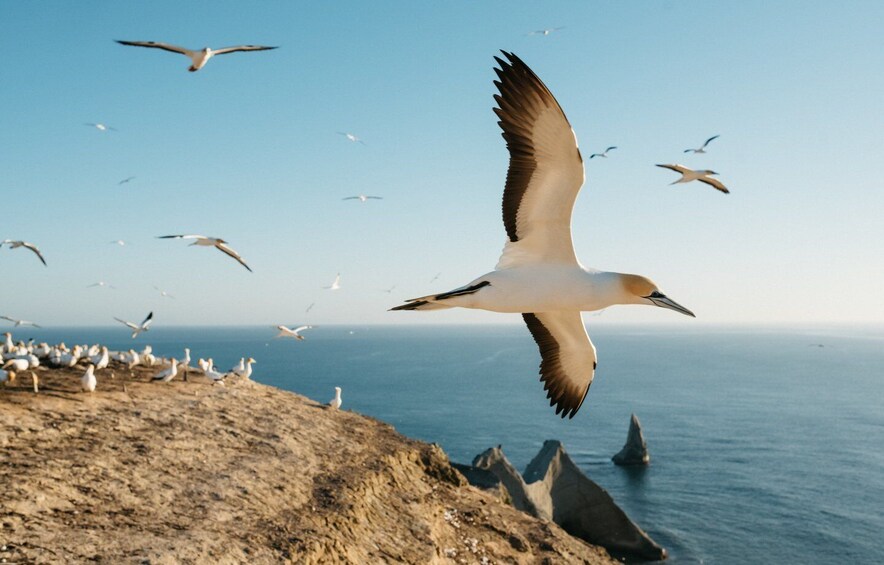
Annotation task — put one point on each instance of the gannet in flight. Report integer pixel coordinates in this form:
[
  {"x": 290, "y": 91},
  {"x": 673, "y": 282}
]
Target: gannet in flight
[
  {"x": 335, "y": 285},
  {"x": 119, "y": 242},
  {"x": 18, "y": 243},
  {"x": 363, "y": 198},
  {"x": 125, "y": 180},
  {"x": 88, "y": 380},
  {"x": 198, "y": 58},
  {"x": 538, "y": 274},
  {"x": 312, "y": 304},
  {"x": 702, "y": 148},
  {"x": 351, "y": 137},
  {"x": 546, "y": 31},
  {"x": 688, "y": 175},
  {"x": 216, "y": 242},
  {"x": 335, "y": 402},
  {"x": 17, "y": 323},
  {"x": 101, "y": 127},
  {"x": 162, "y": 292},
  {"x": 145, "y": 325},
  {"x": 288, "y": 332},
  {"x": 603, "y": 153},
  {"x": 101, "y": 284}
]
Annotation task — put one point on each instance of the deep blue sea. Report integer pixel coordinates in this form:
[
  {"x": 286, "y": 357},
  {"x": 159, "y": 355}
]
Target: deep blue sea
[{"x": 767, "y": 445}]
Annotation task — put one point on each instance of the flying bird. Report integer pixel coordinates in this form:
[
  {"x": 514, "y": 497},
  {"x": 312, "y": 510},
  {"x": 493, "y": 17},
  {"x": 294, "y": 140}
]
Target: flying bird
[
  {"x": 546, "y": 31},
  {"x": 603, "y": 153},
  {"x": 119, "y": 242},
  {"x": 17, "y": 323},
  {"x": 434, "y": 279},
  {"x": 538, "y": 274},
  {"x": 688, "y": 175},
  {"x": 295, "y": 333},
  {"x": 137, "y": 329},
  {"x": 162, "y": 292},
  {"x": 363, "y": 198},
  {"x": 125, "y": 180},
  {"x": 702, "y": 148},
  {"x": 312, "y": 304},
  {"x": 389, "y": 290},
  {"x": 351, "y": 137},
  {"x": 26, "y": 245},
  {"x": 101, "y": 127},
  {"x": 101, "y": 284},
  {"x": 216, "y": 242},
  {"x": 335, "y": 285},
  {"x": 198, "y": 58}
]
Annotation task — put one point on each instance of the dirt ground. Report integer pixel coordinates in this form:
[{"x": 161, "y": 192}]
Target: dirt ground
[{"x": 189, "y": 472}]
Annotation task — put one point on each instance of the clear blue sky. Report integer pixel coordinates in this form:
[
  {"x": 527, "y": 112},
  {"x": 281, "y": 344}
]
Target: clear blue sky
[{"x": 246, "y": 150}]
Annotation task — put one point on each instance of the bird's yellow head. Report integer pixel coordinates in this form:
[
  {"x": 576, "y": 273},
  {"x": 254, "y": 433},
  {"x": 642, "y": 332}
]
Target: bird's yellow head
[{"x": 642, "y": 290}]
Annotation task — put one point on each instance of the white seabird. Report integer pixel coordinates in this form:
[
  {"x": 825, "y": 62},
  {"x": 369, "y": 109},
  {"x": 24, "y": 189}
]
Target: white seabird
[
  {"x": 702, "y": 148},
  {"x": 101, "y": 127},
  {"x": 17, "y": 323},
  {"x": 162, "y": 292},
  {"x": 335, "y": 285},
  {"x": 335, "y": 402},
  {"x": 167, "y": 374},
  {"x": 101, "y": 284},
  {"x": 137, "y": 329},
  {"x": 126, "y": 180},
  {"x": 603, "y": 153},
  {"x": 295, "y": 333},
  {"x": 198, "y": 58},
  {"x": 351, "y": 137},
  {"x": 546, "y": 31},
  {"x": 538, "y": 274},
  {"x": 688, "y": 175},
  {"x": 363, "y": 198},
  {"x": 215, "y": 242},
  {"x": 119, "y": 242},
  {"x": 14, "y": 244},
  {"x": 88, "y": 380}
]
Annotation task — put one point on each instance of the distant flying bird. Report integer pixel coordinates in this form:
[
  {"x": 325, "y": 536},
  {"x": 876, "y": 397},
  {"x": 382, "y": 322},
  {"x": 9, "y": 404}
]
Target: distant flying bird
[
  {"x": 119, "y": 242},
  {"x": 434, "y": 279},
  {"x": 17, "y": 323},
  {"x": 26, "y": 245},
  {"x": 88, "y": 381},
  {"x": 363, "y": 198},
  {"x": 162, "y": 292},
  {"x": 389, "y": 290},
  {"x": 603, "y": 153},
  {"x": 538, "y": 274},
  {"x": 312, "y": 304},
  {"x": 702, "y": 148},
  {"x": 200, "y": 57},
  {"x": 101, "y": 127},
  {"x": 125, "y": 180},
  {"x": 216, "y": 242},
  {"x": 351, "y": 137},
  {"x": 101, "y": 284},
  {"x": 295, "y": 333},
  {"x": 335, "y": 402},
  {"x": 688, "y": 175},
  {"x": 137, "y": 329},
  {"x": 546, "y": 31},
  {"x": 335, "y": 285}
]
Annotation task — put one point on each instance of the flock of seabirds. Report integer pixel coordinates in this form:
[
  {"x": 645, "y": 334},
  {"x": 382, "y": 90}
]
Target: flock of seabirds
[{"x": 538, "y": 274}]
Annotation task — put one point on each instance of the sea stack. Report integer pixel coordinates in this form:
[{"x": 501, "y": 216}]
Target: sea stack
[{"x": 635, "y": 452}]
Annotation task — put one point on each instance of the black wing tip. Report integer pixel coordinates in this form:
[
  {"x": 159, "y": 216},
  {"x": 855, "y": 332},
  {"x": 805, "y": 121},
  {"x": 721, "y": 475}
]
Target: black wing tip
[{"x": 409, "y": 305}]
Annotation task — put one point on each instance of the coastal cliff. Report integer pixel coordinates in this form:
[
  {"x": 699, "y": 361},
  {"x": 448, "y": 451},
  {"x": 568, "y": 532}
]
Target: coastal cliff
[{"x": 187, "y": 472}]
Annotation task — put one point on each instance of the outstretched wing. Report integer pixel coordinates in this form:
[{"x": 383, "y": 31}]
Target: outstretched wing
[
  {"x": 714, "y": 183},
  {"x": 710, "y": 139},
  {"x": 33, "y": 248},
  {"x": 676, "y": 168},
  {"x": 147, "y": 321},
  {"x": 228, "y": 251},
  {"x": 568, "y": 358},
  {"x": 226, "y": 50},
  {"x": 156, "y": 45},
  {"x": 545, "y": 171},
  {"x": 128, "y": 324}
]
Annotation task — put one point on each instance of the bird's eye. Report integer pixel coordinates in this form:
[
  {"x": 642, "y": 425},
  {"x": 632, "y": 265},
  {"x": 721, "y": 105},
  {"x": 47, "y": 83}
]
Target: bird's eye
[{"x": 656, "y": 294}]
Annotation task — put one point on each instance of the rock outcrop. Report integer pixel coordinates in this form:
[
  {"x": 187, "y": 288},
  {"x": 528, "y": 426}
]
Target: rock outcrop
[
  {"x": 553, "y": 488},
  {"x": 187, "y": 472},
  {"x": 635, "y": 452}
]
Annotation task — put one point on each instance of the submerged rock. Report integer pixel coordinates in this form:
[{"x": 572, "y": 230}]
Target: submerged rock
[
  {"x": 635, "y": 452},
  {"x": 554, "y": 488}
]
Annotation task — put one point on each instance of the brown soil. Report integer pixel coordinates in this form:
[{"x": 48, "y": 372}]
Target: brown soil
[{"x": 187, "y": 472}]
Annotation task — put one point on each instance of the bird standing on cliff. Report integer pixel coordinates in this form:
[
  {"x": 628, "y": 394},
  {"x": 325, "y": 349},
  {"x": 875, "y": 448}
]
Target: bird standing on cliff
[
  {"x": 538, "y": 274},
  {"x": 88, "y": 381},
  {"x": 198, "y": 57},
  {"x": 335, "y": 402},
  {"x": 167, "y": 374}
]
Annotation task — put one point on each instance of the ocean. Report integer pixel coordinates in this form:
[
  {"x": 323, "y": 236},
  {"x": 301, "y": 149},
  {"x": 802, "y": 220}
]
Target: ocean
[{"x": 767, "y": 444}]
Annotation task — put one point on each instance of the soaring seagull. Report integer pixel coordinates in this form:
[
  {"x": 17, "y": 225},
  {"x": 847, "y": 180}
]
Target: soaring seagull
[
  {"x": 546, "y": 31},
  {"x": 13, "y": 244},
  {"x": 335, "y": 285},
  {"x": 101, "y": 127},
  {"x": 288, "y": 332},
  {"x": 363, "y": 198},
  {"x": 18, "y": 323},
  {"x": 200, "y": 57},
  {"x": 702, "y": 148},
  {"x": 603, "y": 153},
  {"x": 137, "y": 329},
  {"x": 538, "y": 274},
  {"x": 216, "y": 242},
  {"x": 688, "y": 175},
  {"x": 351, "y": 137}
]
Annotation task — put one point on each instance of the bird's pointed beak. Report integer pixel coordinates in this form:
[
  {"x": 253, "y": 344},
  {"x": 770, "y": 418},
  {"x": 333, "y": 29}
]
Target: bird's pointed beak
[{"x": 664, "y": 301}]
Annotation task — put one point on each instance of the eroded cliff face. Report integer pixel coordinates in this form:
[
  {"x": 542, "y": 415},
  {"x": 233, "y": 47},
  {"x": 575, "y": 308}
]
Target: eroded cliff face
[
  {"x": 553, "y": 488},
  {"x": 194, "y": 473}
]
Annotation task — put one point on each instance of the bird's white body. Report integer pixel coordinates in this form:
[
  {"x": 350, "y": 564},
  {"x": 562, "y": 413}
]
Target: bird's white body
[
  {"x": 88, "y": 382},
  {"x": 336, "y": 285},
  {"x": 17, "y": 365},
  {"x": 295, "y": 333},
  {"x": 335, "y": 403},
  {"x": 168, "y": 374}
]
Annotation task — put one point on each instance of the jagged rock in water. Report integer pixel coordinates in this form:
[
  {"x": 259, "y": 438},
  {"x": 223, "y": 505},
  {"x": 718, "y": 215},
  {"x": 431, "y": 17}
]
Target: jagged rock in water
[
  {"x": 554, "y": 488},
  {"x": 635, "y": 452}
]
